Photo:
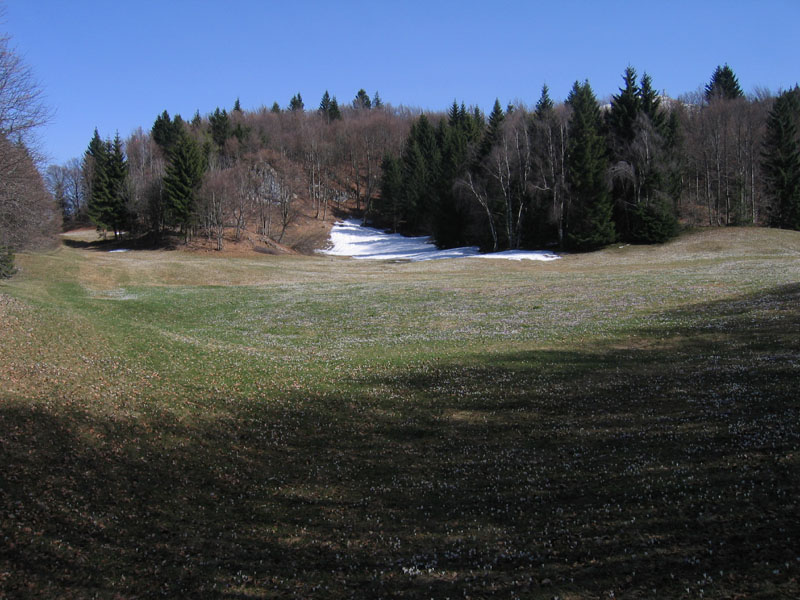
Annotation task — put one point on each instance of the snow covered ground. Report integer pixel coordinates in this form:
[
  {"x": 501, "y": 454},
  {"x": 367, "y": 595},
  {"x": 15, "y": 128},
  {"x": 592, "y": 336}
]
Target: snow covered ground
[{"x": 348, "y": 238}]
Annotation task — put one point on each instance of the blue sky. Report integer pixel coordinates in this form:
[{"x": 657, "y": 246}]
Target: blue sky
[{"x": 116, "y": 65}]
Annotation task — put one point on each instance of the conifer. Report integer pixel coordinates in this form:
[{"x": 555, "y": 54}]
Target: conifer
[
  {"x": 589, "y": 223},
  {"x": 781, "y": 159}
]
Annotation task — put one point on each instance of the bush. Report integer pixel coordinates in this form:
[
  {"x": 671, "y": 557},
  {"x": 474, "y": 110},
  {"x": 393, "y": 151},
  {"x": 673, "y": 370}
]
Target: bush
[{"x": 6, "y": 262}]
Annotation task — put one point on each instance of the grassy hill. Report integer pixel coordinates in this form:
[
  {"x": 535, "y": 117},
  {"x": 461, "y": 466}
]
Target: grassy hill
[{"x": 192, "y": 425}]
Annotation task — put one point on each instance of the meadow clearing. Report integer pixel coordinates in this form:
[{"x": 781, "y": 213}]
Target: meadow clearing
[{"x": 622, "y": 424}]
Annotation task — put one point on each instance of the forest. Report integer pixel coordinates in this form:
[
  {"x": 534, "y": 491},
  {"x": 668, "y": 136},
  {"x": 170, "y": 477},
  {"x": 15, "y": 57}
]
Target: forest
[{"x": 575, "y": 175}]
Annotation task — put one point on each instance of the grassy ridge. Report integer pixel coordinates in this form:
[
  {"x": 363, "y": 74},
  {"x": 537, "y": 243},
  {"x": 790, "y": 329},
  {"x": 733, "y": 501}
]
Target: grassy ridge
[{"x": 624, "y": 421}]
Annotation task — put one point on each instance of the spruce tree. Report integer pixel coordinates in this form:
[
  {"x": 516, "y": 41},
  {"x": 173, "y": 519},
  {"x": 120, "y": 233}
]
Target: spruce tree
[
  {"x": 237, "y": 107},
  {"x": 181, "y": 182},
  {"x": 276, "y": 109},
  {"x": 117, "y": 179},
  {"x": 544, "y": 106},
  {"x": 376, "y": 101},
  {"x": 325, "y": 105},
  {"x": 492, "y": 132},
  {"x": 220, "y": 126},
  {"x": 589, "y": 224},
  {"x": 362, "y": 101},
  {"x": 165, "y": 131},
  {"x": 333, "y": 111},
  {"x": 96, "y": 164},
  {"x": 296, "y": 103},
  {"x": 723, "y": 85},
  {"x": 781, "y": 159}
]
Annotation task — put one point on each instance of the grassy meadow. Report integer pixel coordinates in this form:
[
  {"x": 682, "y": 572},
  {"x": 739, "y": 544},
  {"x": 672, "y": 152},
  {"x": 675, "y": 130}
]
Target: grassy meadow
[{"x": 620, "y": 424}]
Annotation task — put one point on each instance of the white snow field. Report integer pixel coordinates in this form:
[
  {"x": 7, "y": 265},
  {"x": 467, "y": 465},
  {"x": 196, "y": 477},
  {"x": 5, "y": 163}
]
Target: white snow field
[{"x": 349, "y": 238}]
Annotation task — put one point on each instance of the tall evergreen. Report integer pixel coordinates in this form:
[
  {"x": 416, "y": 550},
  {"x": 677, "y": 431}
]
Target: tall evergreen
[
  {"x": 377, "y": 102},
  {"x": 96, "y": 164},
  {"x": 296, "y": 103},
  {"x": 165, "y": 131},
  {"x": 221, "y": 128},
  {"x": 362, "y": 101},
  {"x": 781, "y": 159},
  {"x": 181, "y": 182},
  {"x": 325, "y": 104},
  {"x": 723, "y": 85},
  {"x": 107, "y": 204},
  {"x": 589, "y": 224},
  {"x": 334, "y": 113},
  {"x": 636, "y": 133},
  {"x": 544, "y": 105},
  {"x": 492, "y": 132}
]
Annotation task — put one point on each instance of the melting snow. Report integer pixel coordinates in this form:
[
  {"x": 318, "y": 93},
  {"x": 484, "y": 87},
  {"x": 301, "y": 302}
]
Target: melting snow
[{"x": 349, "y": 238}]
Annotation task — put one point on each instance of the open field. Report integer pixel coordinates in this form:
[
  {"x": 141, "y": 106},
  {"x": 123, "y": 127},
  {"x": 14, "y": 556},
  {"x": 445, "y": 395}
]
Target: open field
[{"x": 617, "y": 424}]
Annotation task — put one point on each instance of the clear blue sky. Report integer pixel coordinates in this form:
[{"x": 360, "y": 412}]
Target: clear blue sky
[{"x": 117, "y": 64}]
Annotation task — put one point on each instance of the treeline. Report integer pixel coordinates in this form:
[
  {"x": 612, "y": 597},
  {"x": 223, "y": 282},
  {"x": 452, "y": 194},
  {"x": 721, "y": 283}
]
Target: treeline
[
  {"x": 28, "y": 217},
  {"x": 574, "y": 175},
  {"x": 580, "y": 175},
  {"x": 231, "y": 174}
]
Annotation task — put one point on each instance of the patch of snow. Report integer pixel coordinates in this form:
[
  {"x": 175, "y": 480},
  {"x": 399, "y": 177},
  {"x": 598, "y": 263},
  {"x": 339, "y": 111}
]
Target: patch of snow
[
  {"x": 121, "y": 250},
  {"x": 349, "y": 238}
]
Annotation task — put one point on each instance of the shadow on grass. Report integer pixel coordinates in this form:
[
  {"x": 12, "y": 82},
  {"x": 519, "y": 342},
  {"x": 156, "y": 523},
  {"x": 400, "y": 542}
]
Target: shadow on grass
[
  {"x": 147, "y": 242},
  {"x": 664, "y": 469}
]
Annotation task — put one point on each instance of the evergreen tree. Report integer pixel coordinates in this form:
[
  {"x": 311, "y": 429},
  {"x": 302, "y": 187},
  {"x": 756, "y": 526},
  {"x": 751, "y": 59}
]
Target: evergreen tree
[
  {"x": 165, "y": 131},
  {"x": 333, "y": 111},
  {"x": 781, "y": 159},
  {"x": 117, "y": 177},
  {"x": 276, "y": 109},
  {"x": 362, "y": 101},
  {"x": 636, "y": 128},
  {"x": 325, "y": 105},
  {"x": 296, "y": 103},
  {"x": 625, "y": 108},
  {"x": 196, "y": 119},
  {"x": 376, "y": 101},
  {"x": 237, "y": 107},
  {"x": 220, "y": 126},
  {"x": 182, "y": 180},
  {"x": 96, "y": 165},
  {"x": 389, "y": 206},
  {"x": 589, "y": 223},
  {"x": 723, "y": 85},
  {"x": 492, "y": 132},
  {"x": 544, "y": 106}
]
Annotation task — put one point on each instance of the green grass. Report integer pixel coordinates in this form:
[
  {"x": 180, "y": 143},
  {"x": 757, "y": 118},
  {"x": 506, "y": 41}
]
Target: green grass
[{"x": 623, "y": 422}]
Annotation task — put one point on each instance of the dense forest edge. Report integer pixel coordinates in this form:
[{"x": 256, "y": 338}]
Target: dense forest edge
[{"x": 576, "y": 175}]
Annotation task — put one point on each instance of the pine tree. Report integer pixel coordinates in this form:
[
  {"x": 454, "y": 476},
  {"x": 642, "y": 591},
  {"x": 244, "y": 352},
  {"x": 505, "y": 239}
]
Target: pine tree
[
  {"x": 220, "y": 126},
  {"x": 545, "y": 105},
  {"x": 589, "y": 223},
  {"x": 636, "y": 128},
  {"x": 362, "y": 101},
  {"x": 296, "y": 103},
  {"x": 389, "y": 206},
  {"x": 492, "y": 132},
  {"x": 276, "y": 109},
  {"x": 237, "y": 107},
  {"x": 117, "y": 178},
  {"x": 625, "y": 108},
  {"x": 333, "y": 112},
  {"x": 165, "y": 131},
  {"x": 781, "y": 159},
  {"x": 96, "y": 165},
  {"x": 325, "y": 105},
  {"x": 376, "y": 101},
  {"x": 182, "y": 180},
  {"x": 723, "y": 85}
]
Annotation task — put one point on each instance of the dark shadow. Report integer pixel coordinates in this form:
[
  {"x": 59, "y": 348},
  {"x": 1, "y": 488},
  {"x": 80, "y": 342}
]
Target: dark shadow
[{"x": 642, "y": 470}]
